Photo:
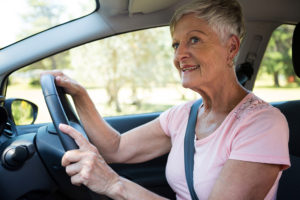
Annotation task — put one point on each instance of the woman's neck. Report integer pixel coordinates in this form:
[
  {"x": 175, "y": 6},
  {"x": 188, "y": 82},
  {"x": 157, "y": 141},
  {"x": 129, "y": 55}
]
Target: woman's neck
[{"x": 223, "y": 97}]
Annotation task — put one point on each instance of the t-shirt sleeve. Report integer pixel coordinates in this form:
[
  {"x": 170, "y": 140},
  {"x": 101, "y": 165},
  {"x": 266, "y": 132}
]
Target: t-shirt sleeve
[
  {"x": 164, "y": 119},
  {"x": 262, "y": 137},
  {"x": 174, "y": 119}
]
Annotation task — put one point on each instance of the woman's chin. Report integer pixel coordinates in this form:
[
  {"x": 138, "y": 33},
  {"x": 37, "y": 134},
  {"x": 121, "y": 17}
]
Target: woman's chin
[
  {"x": 190, "y": 84},
  {"x": 186, "y": 84}
]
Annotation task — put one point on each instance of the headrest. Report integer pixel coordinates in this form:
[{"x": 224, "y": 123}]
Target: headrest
[
  {"x": 244, "y": 72},
  {"x": 296, "y": 50}
]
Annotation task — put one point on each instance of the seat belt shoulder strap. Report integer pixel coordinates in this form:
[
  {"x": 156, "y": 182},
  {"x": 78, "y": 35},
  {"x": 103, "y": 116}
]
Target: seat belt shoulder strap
[{"x": 189, "y": 148}]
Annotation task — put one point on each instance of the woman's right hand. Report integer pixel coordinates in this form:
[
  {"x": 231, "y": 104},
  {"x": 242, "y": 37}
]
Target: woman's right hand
[{"x": 71, "y": 86}]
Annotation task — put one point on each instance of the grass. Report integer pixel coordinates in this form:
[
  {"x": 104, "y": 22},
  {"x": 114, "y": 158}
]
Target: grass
[{"x": 265, "y": 89}]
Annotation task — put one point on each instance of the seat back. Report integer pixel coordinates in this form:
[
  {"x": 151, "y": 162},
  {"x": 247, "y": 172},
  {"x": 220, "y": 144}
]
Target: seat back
[
  {"x": 290, "y": 180},
  {"x": 289, "y": 184}
]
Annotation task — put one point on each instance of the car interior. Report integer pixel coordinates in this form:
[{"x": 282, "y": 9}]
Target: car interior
[
  {"x": 288, "y": 181},
  {"x": 31, "y": 154}
]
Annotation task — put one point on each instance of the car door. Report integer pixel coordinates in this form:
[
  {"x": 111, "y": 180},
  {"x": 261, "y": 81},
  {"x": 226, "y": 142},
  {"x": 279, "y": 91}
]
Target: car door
[
  {"x": 131, "y": 80},
  {"x": 150, "y": 174}
]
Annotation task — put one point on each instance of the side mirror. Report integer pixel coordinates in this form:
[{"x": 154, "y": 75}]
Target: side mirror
[{"x": 21, "y": 111}]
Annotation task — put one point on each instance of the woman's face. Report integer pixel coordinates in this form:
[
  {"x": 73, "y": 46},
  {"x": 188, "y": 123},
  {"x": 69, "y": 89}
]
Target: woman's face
[{"x": 200, "y": 56}]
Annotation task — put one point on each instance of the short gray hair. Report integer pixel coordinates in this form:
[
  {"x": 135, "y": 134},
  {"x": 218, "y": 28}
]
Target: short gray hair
[{"x": 224, "y": 16}]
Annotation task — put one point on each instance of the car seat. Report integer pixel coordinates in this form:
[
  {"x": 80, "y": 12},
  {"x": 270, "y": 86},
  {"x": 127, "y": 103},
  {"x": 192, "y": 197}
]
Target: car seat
[{"x": 289, "y": 185}]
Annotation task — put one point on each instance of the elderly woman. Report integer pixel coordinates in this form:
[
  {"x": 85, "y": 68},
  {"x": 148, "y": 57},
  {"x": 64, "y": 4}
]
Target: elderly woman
[{"x": 241, "y": 142}]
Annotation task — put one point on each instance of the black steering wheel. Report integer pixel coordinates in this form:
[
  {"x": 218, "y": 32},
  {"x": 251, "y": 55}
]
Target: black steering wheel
[{"x": 60, "y": 110}]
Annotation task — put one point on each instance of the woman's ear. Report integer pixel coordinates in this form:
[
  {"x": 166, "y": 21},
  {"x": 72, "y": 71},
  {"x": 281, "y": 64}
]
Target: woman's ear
[{"x": 233, "y": 46}]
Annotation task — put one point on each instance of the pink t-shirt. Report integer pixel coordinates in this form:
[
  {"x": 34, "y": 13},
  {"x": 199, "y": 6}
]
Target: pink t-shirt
[{"x": 253, "y": 131}]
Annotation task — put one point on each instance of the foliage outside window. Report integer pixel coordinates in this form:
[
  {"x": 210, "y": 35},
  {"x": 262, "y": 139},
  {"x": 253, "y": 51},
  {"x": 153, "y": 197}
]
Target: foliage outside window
[
  {"x": 276, "y": 80},
  {"x": 133, "y": 73},
  {"x": 125, "y": 74}
]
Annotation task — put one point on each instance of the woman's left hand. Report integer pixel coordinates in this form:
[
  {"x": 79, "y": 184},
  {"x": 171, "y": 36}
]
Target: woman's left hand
[{"x": 86, "y": 166}]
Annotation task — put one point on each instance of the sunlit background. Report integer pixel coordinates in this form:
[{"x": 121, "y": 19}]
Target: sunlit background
[
  {"x": 22, "y": 18},
  {"x": 129, "y": 73}
]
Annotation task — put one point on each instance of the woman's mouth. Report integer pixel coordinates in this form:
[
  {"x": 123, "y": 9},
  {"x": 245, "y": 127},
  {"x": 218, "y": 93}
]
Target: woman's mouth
[{"x": 190, "y": 68}]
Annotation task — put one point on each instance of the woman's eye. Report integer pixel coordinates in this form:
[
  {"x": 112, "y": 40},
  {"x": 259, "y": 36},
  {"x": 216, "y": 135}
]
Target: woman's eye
[
  {"x": 194, "y": 40},
  {"x": 175, "y": 45}
]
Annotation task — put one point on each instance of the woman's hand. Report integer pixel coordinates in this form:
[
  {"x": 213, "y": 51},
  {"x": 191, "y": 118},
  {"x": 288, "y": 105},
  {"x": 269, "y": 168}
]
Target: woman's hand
[
  {"x": 86, "y": 166},
  {"x": 71, "y": 86}
]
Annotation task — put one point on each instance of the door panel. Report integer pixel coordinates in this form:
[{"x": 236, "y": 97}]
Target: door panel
[{"x": 150, "y": 174}]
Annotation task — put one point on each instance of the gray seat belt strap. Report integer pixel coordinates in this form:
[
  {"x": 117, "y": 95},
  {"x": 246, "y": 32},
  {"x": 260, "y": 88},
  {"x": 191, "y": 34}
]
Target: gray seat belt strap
[{"x": 189, "y": 148}]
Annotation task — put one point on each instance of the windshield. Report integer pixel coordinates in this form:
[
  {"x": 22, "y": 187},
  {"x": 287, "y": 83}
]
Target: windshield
[{"x": 22, "y": 18}]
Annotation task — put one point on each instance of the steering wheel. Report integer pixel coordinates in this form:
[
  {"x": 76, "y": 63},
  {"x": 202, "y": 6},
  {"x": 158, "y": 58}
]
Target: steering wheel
[{"x": 60, "y": 110}]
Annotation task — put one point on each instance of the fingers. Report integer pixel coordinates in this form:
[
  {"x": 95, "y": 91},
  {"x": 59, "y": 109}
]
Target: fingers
[
  {"x": 73, "y": 133},
  {"x": 78, "y": 166},
  {"x": 71, "y": 86},
  {"x": 73, "y": 169},
  {"x": 81, "y": 178},
  {"x": 53, "y": 72},
  {"x": 70, "y": 157},
  {"x": 86, "y": 157},
  {"x": 64, "y": 80},
  {"x": 76, "y": 180},
  {"x": 86, "y": 167},
  {"x": 60, "y": 78}
]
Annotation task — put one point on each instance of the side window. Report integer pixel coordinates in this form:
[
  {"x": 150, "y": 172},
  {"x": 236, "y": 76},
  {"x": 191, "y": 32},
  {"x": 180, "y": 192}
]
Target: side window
[
  {"x": 276, "y": 80},
  {"x": 126, "y": 74}
]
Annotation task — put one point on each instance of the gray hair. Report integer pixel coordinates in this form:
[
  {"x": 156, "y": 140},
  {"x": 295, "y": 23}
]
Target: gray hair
[{"x": 224, "y": 16}]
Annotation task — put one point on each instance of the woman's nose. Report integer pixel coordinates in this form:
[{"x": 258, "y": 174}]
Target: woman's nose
[{"x": 181, "y": 52}]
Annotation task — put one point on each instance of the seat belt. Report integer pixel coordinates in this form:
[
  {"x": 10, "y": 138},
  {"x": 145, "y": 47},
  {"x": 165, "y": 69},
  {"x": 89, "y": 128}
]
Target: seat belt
[{"x": 189, "y": 148}]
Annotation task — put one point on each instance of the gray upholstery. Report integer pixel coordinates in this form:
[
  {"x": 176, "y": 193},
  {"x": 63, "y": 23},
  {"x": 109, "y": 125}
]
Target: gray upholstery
[
  {"x": 289, "y": 185},
  {"x": 296, "y": 50}
]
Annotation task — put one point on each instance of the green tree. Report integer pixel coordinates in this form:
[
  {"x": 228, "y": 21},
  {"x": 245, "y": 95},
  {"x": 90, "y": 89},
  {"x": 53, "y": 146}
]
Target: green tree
[
  {"x": 277, "y": 59},
  {"x": 135, "y": 60}
]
